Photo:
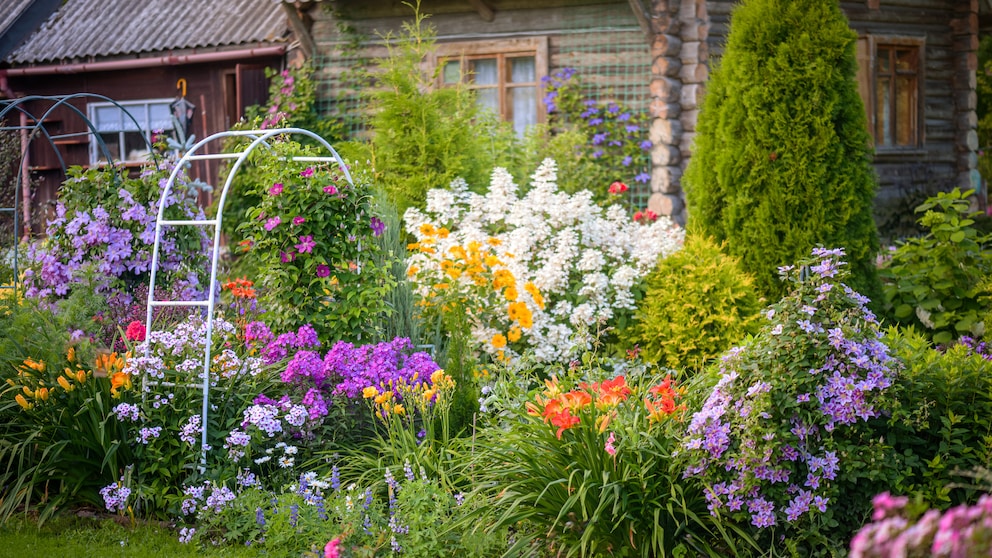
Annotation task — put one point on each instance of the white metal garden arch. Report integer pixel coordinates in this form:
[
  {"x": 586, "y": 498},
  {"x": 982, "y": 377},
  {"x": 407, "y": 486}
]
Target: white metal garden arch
[{"x": 258, "y": 138}]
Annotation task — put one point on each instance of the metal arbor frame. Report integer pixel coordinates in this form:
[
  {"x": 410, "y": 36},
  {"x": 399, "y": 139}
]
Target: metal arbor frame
[
  {"x": 30, "y": 131},
  {"x": 259, "y": 138}
]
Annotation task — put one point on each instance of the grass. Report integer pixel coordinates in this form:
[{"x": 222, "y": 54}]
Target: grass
[{"x": 84, "y": 537}]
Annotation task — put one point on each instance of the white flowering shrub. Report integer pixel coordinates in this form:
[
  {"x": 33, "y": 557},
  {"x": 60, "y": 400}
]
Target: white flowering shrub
[{"x": 542, "y": 271}]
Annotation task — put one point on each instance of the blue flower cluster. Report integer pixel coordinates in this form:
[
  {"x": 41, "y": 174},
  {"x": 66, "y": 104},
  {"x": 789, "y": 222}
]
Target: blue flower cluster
[{"x": 765, "y": 441}]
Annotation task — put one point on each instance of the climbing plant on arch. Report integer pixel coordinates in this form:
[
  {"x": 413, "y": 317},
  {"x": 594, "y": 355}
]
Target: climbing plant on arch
[{"x": 310, "y": 235}]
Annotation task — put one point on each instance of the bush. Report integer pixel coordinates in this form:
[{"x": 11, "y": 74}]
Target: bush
[
  {"x": 584, "y": 461},
  {"x": 775, "y": 438},
  {"x": 423, "y": 136},
  {"x": 781, "y": 162},
  {"x": 937, "y": 282},
  {"x": 544, "y": 271},
  {"x": 312, "y": 241},
  {"x": 942, "y": 426},
  {"x": 697, "y": 304}
]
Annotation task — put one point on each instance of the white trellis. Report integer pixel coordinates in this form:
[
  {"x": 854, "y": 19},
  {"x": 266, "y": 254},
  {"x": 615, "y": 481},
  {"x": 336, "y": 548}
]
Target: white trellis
[{"x": 258, "y": 138}]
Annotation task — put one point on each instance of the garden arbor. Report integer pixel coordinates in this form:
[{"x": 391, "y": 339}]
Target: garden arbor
[
  {"x": 257, "y": 139},
  {"x": 30, "y": 126}
]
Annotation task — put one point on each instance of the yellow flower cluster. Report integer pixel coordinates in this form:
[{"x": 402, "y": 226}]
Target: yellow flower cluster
[
  {"x": 420, "y": 396},
  {"x": 474, "y": 279},
  {"x": 35, "y": 384}
]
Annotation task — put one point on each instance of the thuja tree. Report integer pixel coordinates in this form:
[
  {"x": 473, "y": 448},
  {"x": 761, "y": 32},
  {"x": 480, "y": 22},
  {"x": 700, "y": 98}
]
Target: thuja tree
[{"x": 782, "y": 159}]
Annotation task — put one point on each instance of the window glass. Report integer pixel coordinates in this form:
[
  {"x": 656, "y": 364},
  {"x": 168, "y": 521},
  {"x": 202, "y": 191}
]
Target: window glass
[
  {"x": 452, "y": 72},
  {"x": 485, "y": 71},
  {"x": 524, "y": 107},
  {"x": 127, "y": 135},
  {"x": 522, "y": 70}
]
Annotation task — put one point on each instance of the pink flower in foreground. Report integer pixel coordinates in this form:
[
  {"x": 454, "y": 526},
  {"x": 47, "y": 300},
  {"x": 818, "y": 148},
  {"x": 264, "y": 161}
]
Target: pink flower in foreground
[
  {"x": 323, "y": 270},
  {"x": 276, "y": 189},
  {"x": 299, "y": 220},
  {"x": 331, "y": 549},
  {"x": 286, "y": 257},
  {"x": 307, "y": 172},
  {"x": 330, "y": 189},
  {"x": 306, "y": 244},
  {"x": 135, "y": 331},
  {"x": 272, "y": 223},
  {"x": 610, "y": 449}
]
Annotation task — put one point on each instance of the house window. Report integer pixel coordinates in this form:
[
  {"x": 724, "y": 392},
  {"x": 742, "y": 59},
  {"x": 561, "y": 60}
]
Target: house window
[
  {"x": 505, "y": 75},
  {"x": 127, "y": 133},
  {"x": 890, "y": 80}
]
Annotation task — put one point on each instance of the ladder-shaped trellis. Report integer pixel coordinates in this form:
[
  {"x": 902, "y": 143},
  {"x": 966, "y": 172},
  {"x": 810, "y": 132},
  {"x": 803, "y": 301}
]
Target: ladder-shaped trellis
[{"x": 259, "y": 138}]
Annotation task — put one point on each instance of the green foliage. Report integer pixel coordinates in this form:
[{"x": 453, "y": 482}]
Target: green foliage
[
  {"x": 57, "y": 445},
  {"x": 84, "y": 536},
  {"x": 423, "y": 136},
  {"x": 614, "y": 144},
  {"x": 938, "y": 281},
  {"x": 292, "y": 104},
  {"x": 313, "y": 246},
  {"x": 413, "y": 515},
  {"x": 697, "y": 304},
  {"x": 585, "y": 462},
  {"x": 782, "y": 160},
  {"x": 790, "y": 409},
  {"x": 942, "y": 427},
  {"x": 984, "y": 109}
]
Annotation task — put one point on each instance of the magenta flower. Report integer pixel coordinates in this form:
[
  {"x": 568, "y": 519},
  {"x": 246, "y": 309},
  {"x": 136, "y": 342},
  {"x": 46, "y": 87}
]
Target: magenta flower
[
  {"x": 377, "y": 226},
  {"x": 286, "y": 257},
  {"x": 323, "y": 270},
  {"x": 306, "y": 244},
  {"x": 299, "y": 220},
  {"x": 330, "y": 189},
  {"x": 307, "y": 172},
  {"x": 276, "y": 189},
  {"x": 609, "y": 447},
  {"x": 272, "y": 223}
]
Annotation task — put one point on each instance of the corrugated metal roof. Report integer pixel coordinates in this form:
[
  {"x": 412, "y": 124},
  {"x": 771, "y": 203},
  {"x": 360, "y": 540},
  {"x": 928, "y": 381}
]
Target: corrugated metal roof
[
  {"x": 11, "y": 11},
  {"x": 88, "y": 28}
]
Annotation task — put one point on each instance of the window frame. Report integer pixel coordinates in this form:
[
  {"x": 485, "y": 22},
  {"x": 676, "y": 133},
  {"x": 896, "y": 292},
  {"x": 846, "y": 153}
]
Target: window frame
[
  {"x": 868, "y": 64},
  {"x": 501, "y": 49},
  {"x": 129, "y": 106}
]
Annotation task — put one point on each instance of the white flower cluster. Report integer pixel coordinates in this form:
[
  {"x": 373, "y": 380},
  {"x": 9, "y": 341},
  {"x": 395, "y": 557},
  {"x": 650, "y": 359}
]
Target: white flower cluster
[{"x": 584, "y": 259}]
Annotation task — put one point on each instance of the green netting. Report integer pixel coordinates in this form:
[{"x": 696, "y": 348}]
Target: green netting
[{"x": 603, "y": 42}]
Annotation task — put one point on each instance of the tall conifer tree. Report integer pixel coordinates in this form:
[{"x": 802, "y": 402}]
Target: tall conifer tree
[{"x": 782, "y": 159}]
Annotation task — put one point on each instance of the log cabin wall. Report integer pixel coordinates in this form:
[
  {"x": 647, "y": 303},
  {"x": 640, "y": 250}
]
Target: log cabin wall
[{"x": 601, "y": 39}]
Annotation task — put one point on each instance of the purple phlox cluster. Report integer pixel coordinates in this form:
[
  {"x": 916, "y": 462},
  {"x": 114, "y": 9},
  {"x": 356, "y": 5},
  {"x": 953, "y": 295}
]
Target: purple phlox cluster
[
  {"x": 235, "y": 444},
  {"x": 265, "y": 417},
  {"x": 127, "y": 411},
  {"x": 304, "y": 338},
  {"x": 191, "y": 430},
  {"x": 372, "y": 365},
  {"x": 257, "y": 334},
  {"x": 306, "y": 367},
  {"x": 247, "y": 479},
  {"x": 147, "y": 434},
  {"x": 186, "y": 534},
  {"x": 206, "y": 497},
  {"x": 115, "y": 496},
  {"x": 315, "y": 404}
]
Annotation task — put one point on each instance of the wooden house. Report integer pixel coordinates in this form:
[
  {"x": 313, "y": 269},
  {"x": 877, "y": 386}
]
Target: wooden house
[
  {"x": 148, "y": 56},
  {"x": 917, "y": 59}
]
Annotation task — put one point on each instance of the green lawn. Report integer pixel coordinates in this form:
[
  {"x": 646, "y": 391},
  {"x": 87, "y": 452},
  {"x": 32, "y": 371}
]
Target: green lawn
[{"x": 72, "y": 536}]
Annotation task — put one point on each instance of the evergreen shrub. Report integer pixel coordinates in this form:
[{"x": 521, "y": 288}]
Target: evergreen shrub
[
  {"x": 697, "y": 304},
  {"x": 782, "y": 159}
]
